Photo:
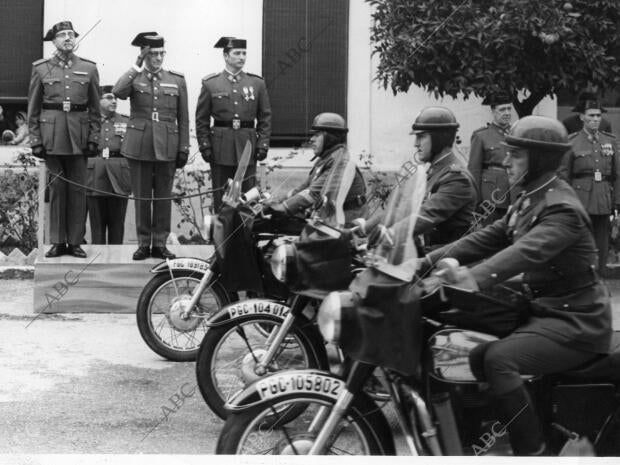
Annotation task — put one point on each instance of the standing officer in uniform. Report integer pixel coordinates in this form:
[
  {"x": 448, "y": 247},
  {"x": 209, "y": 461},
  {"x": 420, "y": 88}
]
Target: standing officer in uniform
[
  {"x": 593, "y": 169},
  {"x": 239, "y": 105},
  {"x": 157, "y": 140},
  {"x": 574, "y": 123},
  {"x": 485, "y": 160},
  {"x": 546, "y": 235},
  {"x": 64, "y": 124},
  {"x": 108, "y": 172}
]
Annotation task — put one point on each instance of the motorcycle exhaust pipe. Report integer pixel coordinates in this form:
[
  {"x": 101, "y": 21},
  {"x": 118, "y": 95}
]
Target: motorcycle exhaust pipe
[{"x": 448, "y": 432}]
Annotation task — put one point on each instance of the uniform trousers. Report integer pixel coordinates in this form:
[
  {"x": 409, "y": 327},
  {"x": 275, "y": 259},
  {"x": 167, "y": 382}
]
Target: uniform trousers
[
  {"x": 107, "y": 218},
  {"x": 220, "y": 175},
  {"x": 601, "y": 228},
  {"x": 152, "y": 179},
  {"x": 67, "y": 201},
  {"x": 501, "y": 363}
]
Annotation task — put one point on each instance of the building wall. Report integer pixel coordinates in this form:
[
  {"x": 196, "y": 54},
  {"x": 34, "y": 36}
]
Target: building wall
[{"x": 379, "y": 121}]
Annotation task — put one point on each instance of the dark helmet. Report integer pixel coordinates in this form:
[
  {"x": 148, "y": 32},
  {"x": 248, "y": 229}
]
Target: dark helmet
[
  {"x": 545, "y": 139},
  {"x": 440, "y": 123},
  {"x": 335, "y": 128},
  {"x": 332, "y": 122}
]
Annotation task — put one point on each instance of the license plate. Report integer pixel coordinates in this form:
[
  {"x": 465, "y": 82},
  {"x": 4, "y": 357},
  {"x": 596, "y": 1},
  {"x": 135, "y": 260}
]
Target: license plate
[
  {"x": 257, "y": 307},
  {"x": 299, "y": 383}
]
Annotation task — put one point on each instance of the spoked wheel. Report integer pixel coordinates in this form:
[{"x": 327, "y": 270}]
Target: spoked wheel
[
  {"x": 269, "y": 429},
  {"x": 163, "y": 320},
  {"x": 230, "y": 355}
]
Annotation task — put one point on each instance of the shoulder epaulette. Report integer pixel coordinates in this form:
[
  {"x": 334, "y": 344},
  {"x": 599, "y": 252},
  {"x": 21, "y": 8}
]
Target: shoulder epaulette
[
  {"x": 608, "y": 134},
  {"x": 256, "y": 76},
  {"x": 480, "y": 129},
  {"x": 87, "y": 60},
  {"x": 122, "y": 115},
  {"x": 210, "y": 76},
  {"x": 40, "y": 62},
  {"x": 573, "y": 135},
  {"x": 176, "y": 73}
]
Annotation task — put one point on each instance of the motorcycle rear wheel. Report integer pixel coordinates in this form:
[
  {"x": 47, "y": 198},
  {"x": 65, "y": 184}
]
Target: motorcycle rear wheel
[
  {"x": 159, "y": 309},
  {"x": 257, "y": 430},
  {"x": 229, "y": 353}
]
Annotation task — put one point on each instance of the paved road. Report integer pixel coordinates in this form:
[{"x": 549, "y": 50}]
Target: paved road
[{"x": 86, "y": 383}]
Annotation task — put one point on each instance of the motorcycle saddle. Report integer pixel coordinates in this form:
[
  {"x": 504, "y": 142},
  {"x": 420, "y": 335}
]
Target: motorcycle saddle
[{"x": 605, "y": 367}]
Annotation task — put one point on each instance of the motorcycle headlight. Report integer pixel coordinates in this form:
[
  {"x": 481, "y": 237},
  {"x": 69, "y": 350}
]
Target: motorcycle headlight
[
  {"x": 283, "y": 262},
  {"x": 329, "y": 317},
  {"x": 209, "y": 223}
]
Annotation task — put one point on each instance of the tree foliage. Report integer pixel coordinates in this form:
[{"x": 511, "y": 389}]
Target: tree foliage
[{"x": 465, "y": 47}]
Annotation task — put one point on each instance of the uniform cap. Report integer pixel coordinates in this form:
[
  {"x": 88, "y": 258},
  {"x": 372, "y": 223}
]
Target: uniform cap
[
  {"x": 106, "y": 89},
  {"x": 148, "y": 39},
  {"x": 230, "y": 42},
  {"x": 588, "y": 101},
  {"x": 497, "y": 98},
  {"x": 56, "y": 28},
  {"x": 538, "y": 132}
]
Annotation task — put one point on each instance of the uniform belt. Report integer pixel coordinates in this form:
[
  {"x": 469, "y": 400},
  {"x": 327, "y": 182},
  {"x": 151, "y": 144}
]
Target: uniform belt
[
  {"x": 66, "y": 106},
  {"x": 154, "y": 116},
  {"x": 492, "y": 165},
  {"x": 562, "y": 286},
  {"x": 591, "y": 175},
  {"x": 111, "y": 154},
  {"x": 354, "y": 202},
  {"x": 233, "y": 123}
]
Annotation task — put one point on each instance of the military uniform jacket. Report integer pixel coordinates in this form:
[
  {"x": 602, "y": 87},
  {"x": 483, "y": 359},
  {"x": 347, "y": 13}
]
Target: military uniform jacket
[
  {"x": 109, "y": 172},
  {"x": 227, "y": 98},
  {"x": 71, "y": 85},
  {"x": 309, "y": 192},
  {"x": 592, "y": 167},
  {"x": 486, "y": 156},
  {"x": 546, "y": 235},
  {"x": 158, "y": 127},
  {"x": 447, "y": 210}
]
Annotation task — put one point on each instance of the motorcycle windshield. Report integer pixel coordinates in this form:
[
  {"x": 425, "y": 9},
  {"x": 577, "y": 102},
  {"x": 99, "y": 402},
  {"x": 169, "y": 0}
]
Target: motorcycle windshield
[
  {"x": 335, "y": 190},
  {"x": 396, "y": 250},
  {"x": 233, "y": 192}
]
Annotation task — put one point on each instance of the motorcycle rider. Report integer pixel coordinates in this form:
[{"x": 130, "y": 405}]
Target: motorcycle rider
[
  {"x": 328, "y": 141},
  {"x": 547, "y": 235},
  {"x": 448, "y": 209}
]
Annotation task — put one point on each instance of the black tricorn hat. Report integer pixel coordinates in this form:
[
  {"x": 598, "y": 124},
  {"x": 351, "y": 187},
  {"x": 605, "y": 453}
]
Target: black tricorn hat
[
  {"x": 588, "y": 101},
  {"x": 56, "y": 28},
  {"x": 148, "y": 39},
  {"x": 497, "y": 98},
  {"x": 106, "y": 89},
  {"x": 230, "y": 42}
]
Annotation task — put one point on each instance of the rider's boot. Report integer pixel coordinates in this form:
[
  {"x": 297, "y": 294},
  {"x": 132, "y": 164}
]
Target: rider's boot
[{"x": 518, "y": 414}]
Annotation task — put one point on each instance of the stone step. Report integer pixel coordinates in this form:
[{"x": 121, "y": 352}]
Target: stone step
[{"x": 107, "y": 281}]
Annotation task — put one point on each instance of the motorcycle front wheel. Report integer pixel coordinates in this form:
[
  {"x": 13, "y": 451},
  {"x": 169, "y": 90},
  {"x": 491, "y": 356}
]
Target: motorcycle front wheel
[
  {"x": 269, "y": 429},
  {"x": 228, "y": 357},
  {"x": 160, "y": 313}
]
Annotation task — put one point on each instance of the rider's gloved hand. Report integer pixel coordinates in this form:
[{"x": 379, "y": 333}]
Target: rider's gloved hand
[
  {"x": 359, "y": 225},
  {"x": 455, "y": 275}
]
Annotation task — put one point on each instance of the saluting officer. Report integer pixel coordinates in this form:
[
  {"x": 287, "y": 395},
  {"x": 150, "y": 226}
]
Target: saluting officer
[
  {"x": 239, "y": 105},
  {"x": 157, "y": 140},
  {"x": 108, "y": 173},
  {"x": 485, "y": 160},
  {"x": 64, "y": 124},
  {"x": 592, "y": 167}
]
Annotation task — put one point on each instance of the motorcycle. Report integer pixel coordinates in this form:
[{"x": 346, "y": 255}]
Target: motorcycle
[
  {"x": 174, "y": 305},
  {"x": 252, "y": 338},
  {"x": 389, "y": 320}
]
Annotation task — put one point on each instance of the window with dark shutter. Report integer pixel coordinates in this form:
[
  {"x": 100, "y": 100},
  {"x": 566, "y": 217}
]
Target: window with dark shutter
[
  {"x": 305, "y": 51},
  {"x": 21, "y": 43}
]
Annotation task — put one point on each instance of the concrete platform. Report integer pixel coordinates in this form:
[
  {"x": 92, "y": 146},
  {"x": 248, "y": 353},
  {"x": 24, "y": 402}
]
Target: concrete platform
[{"x": 107, "y": 281}]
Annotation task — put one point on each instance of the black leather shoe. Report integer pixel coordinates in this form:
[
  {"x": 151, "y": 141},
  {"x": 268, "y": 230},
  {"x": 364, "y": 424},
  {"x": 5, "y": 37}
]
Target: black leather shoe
[
  {"x": 56, "y": 251},
  {"x": 76, "y": 251},
  {"x": 162, "y": 252},
  {"x": 142, "y": 253}
]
